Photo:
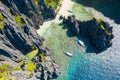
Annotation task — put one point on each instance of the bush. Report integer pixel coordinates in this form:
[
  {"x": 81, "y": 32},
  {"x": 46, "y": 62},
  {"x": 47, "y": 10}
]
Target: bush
[
  {"x": 17, "y": 68},
  {"x": 4, "y": 67},
  {"x": 108, "y": 33},
  {"x": 1, "y": 17},
  {"x": 43, "y": 57},
  {"x": 102, "y": 27},
  {"x": 21, "y": 63},
  {"x": 5, "y": 71},
  {"x": 30, "y": 55},
  {"x": 30, "y": 66},
  {"x": 19, "y": 20},
  {"x": 1, "y": 22},
  {"x": 36, "y": 3},
  {"x": 99, "y": 20},
  {"x": 1, "y": 75},
  {"x": 52, "y": 3}
]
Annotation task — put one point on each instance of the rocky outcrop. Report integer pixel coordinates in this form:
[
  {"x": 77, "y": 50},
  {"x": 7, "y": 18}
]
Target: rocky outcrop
[
  {"x": 19, "y": 37},
  {"x": 36, "y": 10},
  {"x": 48, "y": 69},
  {"x": 16, "y": 40},
  {"x": 98, "y": 31}
]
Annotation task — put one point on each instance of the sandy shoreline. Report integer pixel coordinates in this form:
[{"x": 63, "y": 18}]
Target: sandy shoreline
[{"x": 64, "y": 11}]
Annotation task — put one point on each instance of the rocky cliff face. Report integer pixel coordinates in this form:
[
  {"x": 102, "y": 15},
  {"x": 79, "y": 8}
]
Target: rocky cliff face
[
  {"x": 97, "y": 31},
  {"x": 19, "y": 18},
  {"x": 34, "y": 9}
]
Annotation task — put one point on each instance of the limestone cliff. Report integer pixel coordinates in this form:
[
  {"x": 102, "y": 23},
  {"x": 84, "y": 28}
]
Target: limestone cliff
[
  {"x": 18, "y": 21},
  {"x": 97, "y": 31}
]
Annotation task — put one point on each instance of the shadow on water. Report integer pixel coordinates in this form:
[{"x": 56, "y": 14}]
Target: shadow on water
[
  {"x": 86, "y": 41},
  {"x": 110, "y": 8}
]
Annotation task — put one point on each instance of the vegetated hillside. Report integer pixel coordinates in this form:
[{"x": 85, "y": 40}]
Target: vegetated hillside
[{"x": 22, "y": 54}]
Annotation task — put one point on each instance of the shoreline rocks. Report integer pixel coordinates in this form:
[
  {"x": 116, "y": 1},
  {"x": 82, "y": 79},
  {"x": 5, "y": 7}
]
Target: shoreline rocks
[{"x": 48, "y": 68}]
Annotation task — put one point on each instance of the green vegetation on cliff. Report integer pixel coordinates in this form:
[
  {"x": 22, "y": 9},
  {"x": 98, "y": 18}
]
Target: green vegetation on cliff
[
  {"x": 30, "y": 66},
  {"x": 43, "y": 57},
  {"x": 31, "y": 54},
  {"x": 4, "y": 67},
  {"x": 36, "y": 3},
  {"x": 1, "y": 22},
  {"x": 102, "y": 27},
  {"x": 19, "y": 20},
  {"x": 52, "y": 3},
  {"x": 5, "y": 71},
  {"x": 99, "y": 20}
]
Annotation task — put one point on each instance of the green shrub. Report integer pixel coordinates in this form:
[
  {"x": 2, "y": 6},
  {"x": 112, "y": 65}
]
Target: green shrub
[
  {"x": 30, "y": 55},
  {"x": 27, "y": 43},
  {"x": 43, "y": 57},
  {"x": 1, "y": 25},
  {"x": 36, "y": 3},
  {"x": 108, "y": 33},
  {"x": 19, "y": 20},
  {"x": 21, "y": 63},
  {"x": 52, "y": 3},
  {"x": 17, "y": 68},
  {"x": 1, "y": 17},
  {"x": 33, "y": 47},
  {"x": 4, "y": 67},
  {"x": 102, "y": 27},
  {"x": 99, "y": 20},
  {"x": 30, "y": 66},
  {"x": 1, "y": 22},
  {"x": 1, "y": 75}
]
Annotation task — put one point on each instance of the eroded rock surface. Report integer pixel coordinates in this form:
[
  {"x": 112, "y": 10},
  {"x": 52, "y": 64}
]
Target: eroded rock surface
[{"x": 18, "y": 37}]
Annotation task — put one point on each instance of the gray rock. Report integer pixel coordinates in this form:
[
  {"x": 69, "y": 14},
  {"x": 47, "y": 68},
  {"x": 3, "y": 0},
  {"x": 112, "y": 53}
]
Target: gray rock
[
  {"x": 16, "y": 41},
  {"x": 38, "y": 13}
]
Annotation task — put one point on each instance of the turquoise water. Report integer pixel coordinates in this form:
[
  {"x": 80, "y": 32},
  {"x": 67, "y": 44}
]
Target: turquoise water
[
  {"x": 84, "y": 65},
  {"x": 110, "y": 8}
]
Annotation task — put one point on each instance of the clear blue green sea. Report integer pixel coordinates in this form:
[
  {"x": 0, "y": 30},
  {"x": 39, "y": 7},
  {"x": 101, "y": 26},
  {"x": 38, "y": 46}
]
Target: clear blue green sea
[{"x": 85, "y": 64}]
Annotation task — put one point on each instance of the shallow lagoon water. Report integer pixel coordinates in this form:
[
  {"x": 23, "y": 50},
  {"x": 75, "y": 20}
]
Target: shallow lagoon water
[
  {"x": 110, "y": 8},
  {"x": 83, "y": 65}
]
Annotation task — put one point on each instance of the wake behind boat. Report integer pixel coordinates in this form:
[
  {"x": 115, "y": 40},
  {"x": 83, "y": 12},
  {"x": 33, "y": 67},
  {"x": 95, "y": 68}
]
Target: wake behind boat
[{"x": 68, "y": 54}]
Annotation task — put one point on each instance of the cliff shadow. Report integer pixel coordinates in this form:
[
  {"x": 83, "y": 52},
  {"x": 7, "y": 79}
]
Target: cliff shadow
[
  {"x": 88, "y": 46},
  {"x": 68, "y": 32},
  {"x": 109, "y": 8}
]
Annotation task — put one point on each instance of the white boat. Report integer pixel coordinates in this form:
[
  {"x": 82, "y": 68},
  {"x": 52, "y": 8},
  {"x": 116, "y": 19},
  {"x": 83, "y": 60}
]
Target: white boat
[
  {"x": 81, "y": 43},
  {"x": 68, "y": 53}
]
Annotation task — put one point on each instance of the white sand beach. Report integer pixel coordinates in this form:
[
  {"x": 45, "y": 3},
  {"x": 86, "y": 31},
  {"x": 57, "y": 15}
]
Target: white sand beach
[{"x": 65, "y": 10}]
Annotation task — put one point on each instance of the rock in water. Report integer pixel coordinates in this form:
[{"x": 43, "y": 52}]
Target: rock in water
[{"x": 99, "y": 32}]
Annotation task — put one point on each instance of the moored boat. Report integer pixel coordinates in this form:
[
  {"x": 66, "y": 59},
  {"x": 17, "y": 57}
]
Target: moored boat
[
  {"x": 80, "y": 43},
  {"x": 68, "y": 53}
]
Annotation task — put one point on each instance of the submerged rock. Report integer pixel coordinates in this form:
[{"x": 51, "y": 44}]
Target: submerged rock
[{"x": 99, "y": 32}]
